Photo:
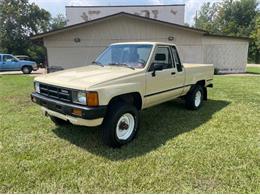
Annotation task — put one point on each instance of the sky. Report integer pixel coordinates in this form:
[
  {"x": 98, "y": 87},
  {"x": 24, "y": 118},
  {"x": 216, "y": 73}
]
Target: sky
[{"x": 58, "y": 6}]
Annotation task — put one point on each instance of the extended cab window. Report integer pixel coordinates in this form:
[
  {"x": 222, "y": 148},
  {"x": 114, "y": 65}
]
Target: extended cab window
[
  {"x": 166, "y": 61},
  {"x": 176, "y": 59}
]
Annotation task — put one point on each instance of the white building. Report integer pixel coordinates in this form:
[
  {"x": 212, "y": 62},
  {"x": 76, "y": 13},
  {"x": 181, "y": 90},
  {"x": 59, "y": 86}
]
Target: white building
[
  {"x": 79, "y": 44},
  {"x": 167, "y": 13}
]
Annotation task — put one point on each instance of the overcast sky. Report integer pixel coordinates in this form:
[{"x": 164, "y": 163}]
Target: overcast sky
[{"x": 58, "y": 6}]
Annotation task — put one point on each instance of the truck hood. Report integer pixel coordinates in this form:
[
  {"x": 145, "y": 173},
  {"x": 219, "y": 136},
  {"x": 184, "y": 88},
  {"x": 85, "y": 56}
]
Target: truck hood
[{"x": 86, "y": 77}]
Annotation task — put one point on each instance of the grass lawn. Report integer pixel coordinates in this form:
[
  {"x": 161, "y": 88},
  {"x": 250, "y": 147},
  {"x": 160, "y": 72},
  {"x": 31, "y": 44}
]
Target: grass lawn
[
  {"x": 253, "y": 70},
  {"x": 213, "y": 150}
]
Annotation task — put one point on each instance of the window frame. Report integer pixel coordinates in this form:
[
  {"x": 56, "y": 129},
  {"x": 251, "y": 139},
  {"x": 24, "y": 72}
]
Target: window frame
[
  {"x": 150, "y": 69},
  {"x": 10, "y": 56},
  {"x": 179, "y": 65},
  {"x": 129, "y": 44}
]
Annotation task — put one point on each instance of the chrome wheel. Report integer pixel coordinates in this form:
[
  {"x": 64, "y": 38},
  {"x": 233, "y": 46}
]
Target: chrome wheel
[
  {"x": 198, "y": 98},
  {"x": 125, "y": 126}
]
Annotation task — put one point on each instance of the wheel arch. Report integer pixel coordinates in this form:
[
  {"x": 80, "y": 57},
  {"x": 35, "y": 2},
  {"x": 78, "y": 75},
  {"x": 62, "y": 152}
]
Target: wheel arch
[
  {"x": 202, "y": 83},
  {"x": 26, "y": 65},
  {"x": 133, "y": 98}
]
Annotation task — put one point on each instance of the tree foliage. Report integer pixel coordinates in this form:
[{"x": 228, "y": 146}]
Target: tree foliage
[
  {"x": 234, "y": 18},
  {"x": 21, "y": 19},
  {"x": 58, "y": 22}
]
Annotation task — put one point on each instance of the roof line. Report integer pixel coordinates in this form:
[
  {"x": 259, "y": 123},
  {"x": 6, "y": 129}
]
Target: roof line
[
  {"x": 205, "y": 33},
  {"x": 78, "y": 6},
  {"x": 37, "y": 36},
  {"x": 227, "y": 36}
]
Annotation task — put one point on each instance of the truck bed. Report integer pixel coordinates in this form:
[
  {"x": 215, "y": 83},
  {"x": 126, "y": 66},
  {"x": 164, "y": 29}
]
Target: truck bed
[{"x": 196, "y": 72}]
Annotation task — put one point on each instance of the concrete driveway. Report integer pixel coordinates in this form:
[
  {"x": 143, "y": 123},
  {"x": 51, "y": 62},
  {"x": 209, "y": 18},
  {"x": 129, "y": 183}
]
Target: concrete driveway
[
  {"x": 253, "y": 65},
  {"x": 34, "y": 73}
]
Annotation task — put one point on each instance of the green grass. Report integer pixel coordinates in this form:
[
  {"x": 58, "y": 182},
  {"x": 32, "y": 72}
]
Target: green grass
[
  {"x": 253, "y": 70},
  {"x": 213, "y": 150}
]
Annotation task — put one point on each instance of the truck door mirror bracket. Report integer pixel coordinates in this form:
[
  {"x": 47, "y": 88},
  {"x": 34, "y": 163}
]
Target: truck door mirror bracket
[{"x": 157, "y": 67}]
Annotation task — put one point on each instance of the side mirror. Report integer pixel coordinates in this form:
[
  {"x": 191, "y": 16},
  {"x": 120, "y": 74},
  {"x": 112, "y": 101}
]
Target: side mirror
[{"x": 157, "y": 67}]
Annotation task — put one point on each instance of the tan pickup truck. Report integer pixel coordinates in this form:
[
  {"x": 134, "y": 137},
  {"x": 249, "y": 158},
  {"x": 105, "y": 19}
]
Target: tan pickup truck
[{"x": 124, "y": 79}]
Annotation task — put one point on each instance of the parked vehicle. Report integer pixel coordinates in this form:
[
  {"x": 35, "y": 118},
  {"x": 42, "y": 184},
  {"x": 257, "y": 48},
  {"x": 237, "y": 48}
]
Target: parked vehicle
[
  {"x": 9, "y": 62},
  {"x": 22, "y": 57},
  {"x": 125, "y": 79}
]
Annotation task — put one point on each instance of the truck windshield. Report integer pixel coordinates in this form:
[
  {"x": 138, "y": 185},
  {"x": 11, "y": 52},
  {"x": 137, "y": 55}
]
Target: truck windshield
[{"x": 130, "y": 55}]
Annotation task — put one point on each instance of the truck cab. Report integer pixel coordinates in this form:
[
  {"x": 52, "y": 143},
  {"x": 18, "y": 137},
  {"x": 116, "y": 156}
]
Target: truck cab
[{"x": 9, "y": 62}]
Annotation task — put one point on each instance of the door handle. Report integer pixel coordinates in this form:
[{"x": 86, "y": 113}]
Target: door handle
[{"x": 173, "y": 73}]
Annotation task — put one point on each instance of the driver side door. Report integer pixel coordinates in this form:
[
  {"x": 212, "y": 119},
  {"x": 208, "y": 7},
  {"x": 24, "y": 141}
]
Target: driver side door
[{"x": 160, "y": 84}]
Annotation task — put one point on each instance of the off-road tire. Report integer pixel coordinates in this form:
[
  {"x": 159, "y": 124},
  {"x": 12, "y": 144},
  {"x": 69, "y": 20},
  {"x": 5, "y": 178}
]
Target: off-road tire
[
  {"x": 110, "y": 123},
  {"x": 190, "y": 99}
]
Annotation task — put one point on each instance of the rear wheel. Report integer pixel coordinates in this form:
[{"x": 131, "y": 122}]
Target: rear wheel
[
  {"x": 59, "y": 122},
  {"x": 194, "y": 98},
  {"x": 120, "y": 125},
  {"x": 27, "y": 70}
]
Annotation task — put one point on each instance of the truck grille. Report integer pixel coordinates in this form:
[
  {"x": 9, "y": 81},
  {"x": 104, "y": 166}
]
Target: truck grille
[{"x": 57, "y": 93}]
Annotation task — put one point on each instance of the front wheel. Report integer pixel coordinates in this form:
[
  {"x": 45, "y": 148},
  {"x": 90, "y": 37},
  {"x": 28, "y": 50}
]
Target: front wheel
[
  {"x": 120, "y": 125},
  {"x": 194, "y": 98}
]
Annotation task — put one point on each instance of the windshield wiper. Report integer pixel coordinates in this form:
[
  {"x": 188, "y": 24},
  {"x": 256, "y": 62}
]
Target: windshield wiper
[
  {"x": 122, "y": 65},
  {"x": 97, "y": 63}
]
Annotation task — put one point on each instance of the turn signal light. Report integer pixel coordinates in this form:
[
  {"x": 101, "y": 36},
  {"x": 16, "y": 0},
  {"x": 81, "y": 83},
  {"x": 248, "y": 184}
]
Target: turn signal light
[
  {"x": 92, "y": 98},
  {"x": 77, "y": 112}
]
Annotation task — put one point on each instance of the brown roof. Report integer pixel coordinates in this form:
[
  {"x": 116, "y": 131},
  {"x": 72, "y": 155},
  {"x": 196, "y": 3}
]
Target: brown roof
[
  {"x": 79, "y": 25},
  {"x": 228, "y": 36}
]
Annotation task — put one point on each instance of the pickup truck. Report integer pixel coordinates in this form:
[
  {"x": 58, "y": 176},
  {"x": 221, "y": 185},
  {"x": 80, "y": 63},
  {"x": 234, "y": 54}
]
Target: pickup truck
[
  {"x": 9, "y": 62},
  {"x": 125, "y": 79}
]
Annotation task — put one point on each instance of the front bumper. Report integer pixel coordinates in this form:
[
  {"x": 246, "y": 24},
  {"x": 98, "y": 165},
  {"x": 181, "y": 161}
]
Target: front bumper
[{"x": 91, "y": 116}]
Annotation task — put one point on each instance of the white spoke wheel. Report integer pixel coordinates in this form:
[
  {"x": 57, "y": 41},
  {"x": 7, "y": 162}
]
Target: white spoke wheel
[
  {"x": 198, "y": 98},
  {"x": 125, "y": 126},
  {"x": 120, "y": 125},
  {"x": 195, "y": 96}
]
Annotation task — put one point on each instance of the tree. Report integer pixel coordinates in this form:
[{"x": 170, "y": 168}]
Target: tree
[
  {"x": 206, "y": 17},
  {"x": 234, "y": 18},
  {"x": 58, "y": 22},
  {"x": 20, "y": 20},
  {"x": 255, "y": 36}
]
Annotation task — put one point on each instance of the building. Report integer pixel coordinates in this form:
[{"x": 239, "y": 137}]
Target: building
[
  {"x": 168, "y": 13},
  {"x": 79, "y": 44}
]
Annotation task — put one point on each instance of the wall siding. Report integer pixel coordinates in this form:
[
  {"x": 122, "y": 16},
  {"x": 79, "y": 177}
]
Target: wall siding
[
  {"x": 63, "y": 51},
  {"x": 228, "y": 55}
]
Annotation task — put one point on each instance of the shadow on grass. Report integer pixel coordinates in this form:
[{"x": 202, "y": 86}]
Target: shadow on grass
[{"x": 158, "y": 125}]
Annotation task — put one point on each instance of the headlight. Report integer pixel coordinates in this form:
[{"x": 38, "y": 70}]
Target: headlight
[
  {"x": 79, "y": 97},
  {"x": 85, "y": 98},
  {"x": 37, "y": 87}
]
